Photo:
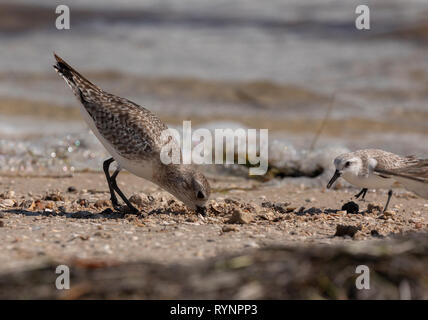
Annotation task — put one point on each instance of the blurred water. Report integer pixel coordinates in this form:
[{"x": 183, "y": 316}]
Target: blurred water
[{"x": 312, "y": 45}]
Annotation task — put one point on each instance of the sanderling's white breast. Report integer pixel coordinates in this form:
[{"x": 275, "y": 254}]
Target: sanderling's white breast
[
  {"x": 375, "y": 169},
  {"x": 132, "y": 135}
]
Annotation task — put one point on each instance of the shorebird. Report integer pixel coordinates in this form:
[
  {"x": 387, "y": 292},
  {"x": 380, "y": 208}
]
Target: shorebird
[
  {"x": 132, "y": 136},
  {"x": 378, "y": 169}
]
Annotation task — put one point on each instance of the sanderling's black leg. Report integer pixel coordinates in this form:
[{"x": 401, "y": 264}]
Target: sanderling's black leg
[
  {"x": 362, "y": 192},
  {"x": 387, "y": 201},
  {"x": 120, "y": 193},
  {"x": 106, "y": 166}
]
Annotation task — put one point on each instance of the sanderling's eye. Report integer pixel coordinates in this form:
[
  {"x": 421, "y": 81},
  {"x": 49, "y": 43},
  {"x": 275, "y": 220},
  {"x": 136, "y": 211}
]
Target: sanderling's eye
[
  {"x": 347, "y": 164},
  {"x": 200, "y": 195}
]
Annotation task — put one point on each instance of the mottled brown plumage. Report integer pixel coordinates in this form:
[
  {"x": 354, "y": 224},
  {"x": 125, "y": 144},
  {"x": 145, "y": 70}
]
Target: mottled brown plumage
[{"x": 133, "y": 135}]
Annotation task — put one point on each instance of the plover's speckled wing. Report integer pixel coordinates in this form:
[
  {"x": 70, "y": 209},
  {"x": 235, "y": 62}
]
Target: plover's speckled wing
[
  {"x": 384, "y": 160},
  {"x": 131, "y": 129}
]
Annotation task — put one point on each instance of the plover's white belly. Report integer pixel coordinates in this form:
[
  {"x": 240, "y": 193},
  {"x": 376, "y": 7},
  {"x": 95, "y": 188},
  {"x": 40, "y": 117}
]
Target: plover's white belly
[
  {"x": 370, "y": 182},
  {"x": 420, "y": 188},
  {"x": 140, "y": 168}
]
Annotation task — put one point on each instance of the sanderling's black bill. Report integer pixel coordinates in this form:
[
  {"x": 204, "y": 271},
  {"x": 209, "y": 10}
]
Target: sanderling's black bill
[{"x": 336, "y": 175}]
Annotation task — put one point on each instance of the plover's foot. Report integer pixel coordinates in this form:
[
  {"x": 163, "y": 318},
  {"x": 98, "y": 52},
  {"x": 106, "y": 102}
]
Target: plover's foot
[
  {"x": 133, "y": 210},
  {"x": 115, "y": 203},
  {"x": 127, "y": 209},
  {"x": 118, "y": 208}
]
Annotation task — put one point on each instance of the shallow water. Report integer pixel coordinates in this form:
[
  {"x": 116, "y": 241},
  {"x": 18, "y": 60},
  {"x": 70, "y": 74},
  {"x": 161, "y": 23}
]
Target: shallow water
[{"x": 180, "y": 59}]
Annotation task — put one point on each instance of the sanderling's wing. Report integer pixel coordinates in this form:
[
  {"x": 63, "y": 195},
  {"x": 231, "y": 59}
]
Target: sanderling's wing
[
  {"x": 417, "y": 172},
  {"x": 413, "y": 177},
  {"x": 377, "y": 160},
  {"x": 132, "y": 130}
]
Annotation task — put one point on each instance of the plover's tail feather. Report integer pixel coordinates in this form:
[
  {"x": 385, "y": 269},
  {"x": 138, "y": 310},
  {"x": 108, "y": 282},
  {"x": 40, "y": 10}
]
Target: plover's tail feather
[
  {"x": 414, "y": 177},
  {"x": 78, "y": 83}
]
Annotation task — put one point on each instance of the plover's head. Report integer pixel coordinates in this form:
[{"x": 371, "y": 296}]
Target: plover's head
[
  {"x": 346, "y": 164},
  {"x": 188, "y": 185}
]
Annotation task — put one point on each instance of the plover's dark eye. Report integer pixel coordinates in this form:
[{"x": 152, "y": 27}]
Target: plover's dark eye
[
  {"x": 347, "y": 164},
  {"x": 200, "y": 195}
]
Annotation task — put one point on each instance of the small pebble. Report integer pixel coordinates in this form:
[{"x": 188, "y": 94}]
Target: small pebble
[
  {"x": 252, "y": 244},
  {"x": 83, "y": 202},
  {"x": 375, "y": 233},
  {"x": 389, "y": 213},
  {"x": 138, "y": 200},
  {"x": 71, "y": 189},
  {"x": 8, "y": 202},
  {"x": 373, "y": 207},
  {"x": 344, "y": 230},
  {"x": 101, "y": 203},
  {"x": 240, "y": 217},
  {"x": 418, "y": 225},
  {"x": 229, "y": 228}
]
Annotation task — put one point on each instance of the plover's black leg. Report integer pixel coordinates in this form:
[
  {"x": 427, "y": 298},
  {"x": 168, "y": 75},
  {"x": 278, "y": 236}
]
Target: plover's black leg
[
  {"x": 120, "y": 193},
  {"x": 362, "y": 192},
  {"x": 106, "y": 166},
  {"x": 387, "y": 201}
]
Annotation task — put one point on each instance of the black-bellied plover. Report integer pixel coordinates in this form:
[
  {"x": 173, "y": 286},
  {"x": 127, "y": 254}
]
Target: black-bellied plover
[
  {"x": 132, "y": 136},
  {"x": 378, "y": 169}
]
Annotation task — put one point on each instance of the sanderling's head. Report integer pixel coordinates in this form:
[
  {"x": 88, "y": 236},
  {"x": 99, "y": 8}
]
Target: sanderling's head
[
  {"x": 346, "y": 164},
  {"x": 188, "y": 185}
]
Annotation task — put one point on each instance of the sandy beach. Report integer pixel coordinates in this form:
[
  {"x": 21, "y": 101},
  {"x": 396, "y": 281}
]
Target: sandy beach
[
  {"x": 71, "y": 218},
  {"x": 49, "y": 221}
]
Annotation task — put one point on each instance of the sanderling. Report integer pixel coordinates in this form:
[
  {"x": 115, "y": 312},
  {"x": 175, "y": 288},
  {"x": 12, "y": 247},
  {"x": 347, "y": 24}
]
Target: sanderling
[
  {"x": 132, "y": 136},
  {"x": 373, "y": 169}
]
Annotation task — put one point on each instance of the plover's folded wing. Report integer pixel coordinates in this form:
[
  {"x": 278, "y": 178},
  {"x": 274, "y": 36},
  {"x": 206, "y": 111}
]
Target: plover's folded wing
[
  {"x": 413, "y": 177},
  {"x": 133, "y": 131}
]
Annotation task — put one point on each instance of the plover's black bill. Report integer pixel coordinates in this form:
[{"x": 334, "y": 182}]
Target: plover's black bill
[
  {"x": 336, "y": 175},
  {"x": 201, "y": 210}
]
